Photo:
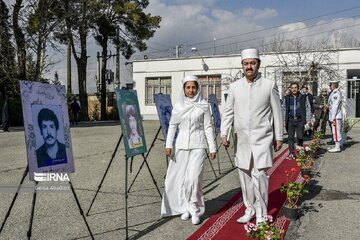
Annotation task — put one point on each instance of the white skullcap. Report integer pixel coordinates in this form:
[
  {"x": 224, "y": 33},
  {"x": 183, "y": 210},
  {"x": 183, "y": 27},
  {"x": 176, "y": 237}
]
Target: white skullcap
[
  {"x": 334, "y": 81},
  {"x": 250, "y": 53},
  {"x": 189, "y": 78},
  {"x": 325, "y": 87}
]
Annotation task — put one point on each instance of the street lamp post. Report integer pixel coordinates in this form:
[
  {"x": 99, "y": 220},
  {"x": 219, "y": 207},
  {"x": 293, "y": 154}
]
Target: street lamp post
[{"x": 205, "y": 66}]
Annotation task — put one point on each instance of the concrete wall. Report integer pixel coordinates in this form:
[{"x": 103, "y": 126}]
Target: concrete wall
[{"x": 227, "y": 66}]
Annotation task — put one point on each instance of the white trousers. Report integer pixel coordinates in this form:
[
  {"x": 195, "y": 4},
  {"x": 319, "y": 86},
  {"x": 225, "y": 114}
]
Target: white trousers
[
  {"x": 255, "y": 190},
  {"x": 183, "y": 184},
  {"x": 336, "y": 130}
]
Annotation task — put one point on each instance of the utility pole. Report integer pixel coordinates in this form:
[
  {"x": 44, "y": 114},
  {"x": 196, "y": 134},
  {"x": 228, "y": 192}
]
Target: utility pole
[
  {"x": 177, "y": 50},
  {"x": 68, "y": 68},
  {"x": 108, "y": 76},
  {"x": 117, "y": 73}
]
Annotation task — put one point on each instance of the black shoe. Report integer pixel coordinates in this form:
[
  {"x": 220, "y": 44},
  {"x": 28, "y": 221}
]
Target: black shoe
[{"x": 330, "y": 143}]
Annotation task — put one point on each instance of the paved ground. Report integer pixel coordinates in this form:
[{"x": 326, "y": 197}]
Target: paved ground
[{"x": 332, "y": 208}]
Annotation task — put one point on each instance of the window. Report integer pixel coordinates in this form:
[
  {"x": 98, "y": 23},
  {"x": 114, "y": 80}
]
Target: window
[
  {"x": 210, "y": 84},
  {"x": 302, "y": 78},
  {"x": 155, "y": 85},
  {"x": 289, "y": 77}
]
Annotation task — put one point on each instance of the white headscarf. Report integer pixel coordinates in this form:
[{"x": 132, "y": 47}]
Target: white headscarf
[{"x": 186, "y": 104}]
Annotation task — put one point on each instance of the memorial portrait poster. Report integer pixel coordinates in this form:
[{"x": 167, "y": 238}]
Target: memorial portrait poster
[
  {"x": 47, "y": 128},
  {"x": 131, "y": 122}
]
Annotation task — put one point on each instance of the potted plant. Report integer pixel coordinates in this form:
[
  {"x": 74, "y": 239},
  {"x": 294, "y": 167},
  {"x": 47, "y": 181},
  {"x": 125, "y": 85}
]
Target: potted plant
[
  {"x": 293, "y": 190},
  {"x": 266, "y": 230},
  {"x": 305, "y": 160}
]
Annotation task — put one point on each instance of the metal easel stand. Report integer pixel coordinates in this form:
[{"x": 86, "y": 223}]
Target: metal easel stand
[
  {"x": 147, "y": 165},
  {"x": 103, "y": 178},
  {"x": 29, "y": 232},
  {"x": 227, "y": 153}
]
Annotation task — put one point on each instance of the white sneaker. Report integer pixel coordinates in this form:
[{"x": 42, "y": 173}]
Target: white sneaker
[
  {"x": 336, "y": 148},
  {"x": 247, "y": 217},
  {"x": 195, "y": 220},
  {"x": 185, "y": 216}
]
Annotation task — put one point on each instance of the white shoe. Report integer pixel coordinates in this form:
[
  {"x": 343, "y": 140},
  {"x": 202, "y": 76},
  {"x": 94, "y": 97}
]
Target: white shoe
[
  {"x": 185, "y": 216},
  {"x": 195, "y": 220},
  {"x": 336, "y": 148},
  {"x": 247, "y": 217}
]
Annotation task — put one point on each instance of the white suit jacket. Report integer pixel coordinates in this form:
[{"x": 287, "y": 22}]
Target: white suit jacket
[
  {"x": 195, "y": 131},
  {"x": 335, "y": 102},
  {"x": 256, "y": 112}
]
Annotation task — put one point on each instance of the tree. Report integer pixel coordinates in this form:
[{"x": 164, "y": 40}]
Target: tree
[
  {"x": 126, "y": 23},
  {"x": 20, "y": 40},
  {"x": 78, "y": 17},
  {"x": 42, "y": 19},
  {"x": 7, "y": 54},
  {"x": 307, "y": 64}
]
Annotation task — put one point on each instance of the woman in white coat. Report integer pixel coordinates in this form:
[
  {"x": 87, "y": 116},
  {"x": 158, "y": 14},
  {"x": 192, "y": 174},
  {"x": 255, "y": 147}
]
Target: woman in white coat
[{"x": 183, "y": 184}]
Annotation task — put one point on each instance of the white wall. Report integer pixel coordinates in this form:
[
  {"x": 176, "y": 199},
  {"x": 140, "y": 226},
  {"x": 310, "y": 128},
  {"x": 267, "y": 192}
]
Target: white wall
[{"x": 226, "y": 65}]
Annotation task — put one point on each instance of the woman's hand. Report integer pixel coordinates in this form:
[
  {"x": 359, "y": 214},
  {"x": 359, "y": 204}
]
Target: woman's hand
[
  {"x": 213, "y": 155},
  {"x": 168, "y": 152}
]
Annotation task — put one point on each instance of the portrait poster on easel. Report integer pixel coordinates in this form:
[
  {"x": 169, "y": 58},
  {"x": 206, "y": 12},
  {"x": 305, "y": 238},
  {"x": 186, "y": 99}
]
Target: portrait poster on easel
[
  {"x": 164, "y": 108},
  {"x": 215, "y": 112},
  {"x": 131, "y": 122},
  {"x": 47, "y": 128}
]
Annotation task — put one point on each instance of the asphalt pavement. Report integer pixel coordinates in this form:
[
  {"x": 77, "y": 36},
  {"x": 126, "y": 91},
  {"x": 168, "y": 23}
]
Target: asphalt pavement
[{"x": 330, "y": 211}]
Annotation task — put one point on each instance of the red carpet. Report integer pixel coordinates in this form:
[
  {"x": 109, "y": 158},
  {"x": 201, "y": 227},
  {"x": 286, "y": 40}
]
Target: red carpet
[{"x": 223, "y": 225}]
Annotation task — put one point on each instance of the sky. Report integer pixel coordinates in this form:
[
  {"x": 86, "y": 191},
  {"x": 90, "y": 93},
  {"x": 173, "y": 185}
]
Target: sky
[{"x": 228, "y": 26}]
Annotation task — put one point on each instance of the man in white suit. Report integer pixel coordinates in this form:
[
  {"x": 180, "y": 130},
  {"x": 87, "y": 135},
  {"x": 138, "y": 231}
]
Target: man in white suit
[
  {"x": 335, "y": 114},
  {"x": 253, "y": 105}
]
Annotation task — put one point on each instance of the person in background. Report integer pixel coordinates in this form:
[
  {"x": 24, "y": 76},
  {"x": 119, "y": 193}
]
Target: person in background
[
  {"x": 309, "y": 100},
  {"x": 5, "y": 115},
  {"x": 320, "y": 112},
  {"x": 253, "y": 105},
  {"x": 75, "y": 108},
  {"x": 335, "y": 114},
  {"x": 183, "y": 192},
  {"x": 295, "y": 118}
]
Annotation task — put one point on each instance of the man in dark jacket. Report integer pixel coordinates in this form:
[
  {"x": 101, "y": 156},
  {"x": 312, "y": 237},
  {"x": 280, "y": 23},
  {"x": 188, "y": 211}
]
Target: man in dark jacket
[
  {"x": 295, "y": 118},
  {"x": 309, "y": 99}
]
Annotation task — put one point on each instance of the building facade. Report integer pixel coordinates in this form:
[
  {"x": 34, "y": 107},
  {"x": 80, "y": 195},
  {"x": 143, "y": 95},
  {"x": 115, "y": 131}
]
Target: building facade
[{"x": 313, "y": 69}]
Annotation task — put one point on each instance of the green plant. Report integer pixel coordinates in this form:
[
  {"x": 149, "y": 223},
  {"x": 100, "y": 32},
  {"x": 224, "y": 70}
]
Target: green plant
[
  {"x": 293, "y": 189},
  {"x": 305, "y": 158},
  {"x": 314, "y": 145},
  {"x": 266, "y": 230},
  {"x": 317, "y": 135}
]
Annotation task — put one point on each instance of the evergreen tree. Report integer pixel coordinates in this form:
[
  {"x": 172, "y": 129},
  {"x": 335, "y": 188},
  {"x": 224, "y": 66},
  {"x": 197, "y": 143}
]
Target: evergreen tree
[{"x": 7, "y": 53}]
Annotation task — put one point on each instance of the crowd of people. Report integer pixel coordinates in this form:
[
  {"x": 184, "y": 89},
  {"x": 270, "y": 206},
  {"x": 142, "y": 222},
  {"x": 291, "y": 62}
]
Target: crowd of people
[
  {"x": 304, "y": 113},
  {"x": 257, "y": 114}
]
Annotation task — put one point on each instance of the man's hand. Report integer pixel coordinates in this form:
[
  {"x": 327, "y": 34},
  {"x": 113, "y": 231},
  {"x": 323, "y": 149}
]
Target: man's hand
[
  {"x": 277, "y": 145},
  {"x": 213, "y": 155},
  {"x": 168, "y": 152},
  {"x": 225, "y": 142}
]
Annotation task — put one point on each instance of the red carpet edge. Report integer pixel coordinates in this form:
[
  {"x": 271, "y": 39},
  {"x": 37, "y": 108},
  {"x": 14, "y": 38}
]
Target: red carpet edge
[{"x": 223, "y": 224}]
